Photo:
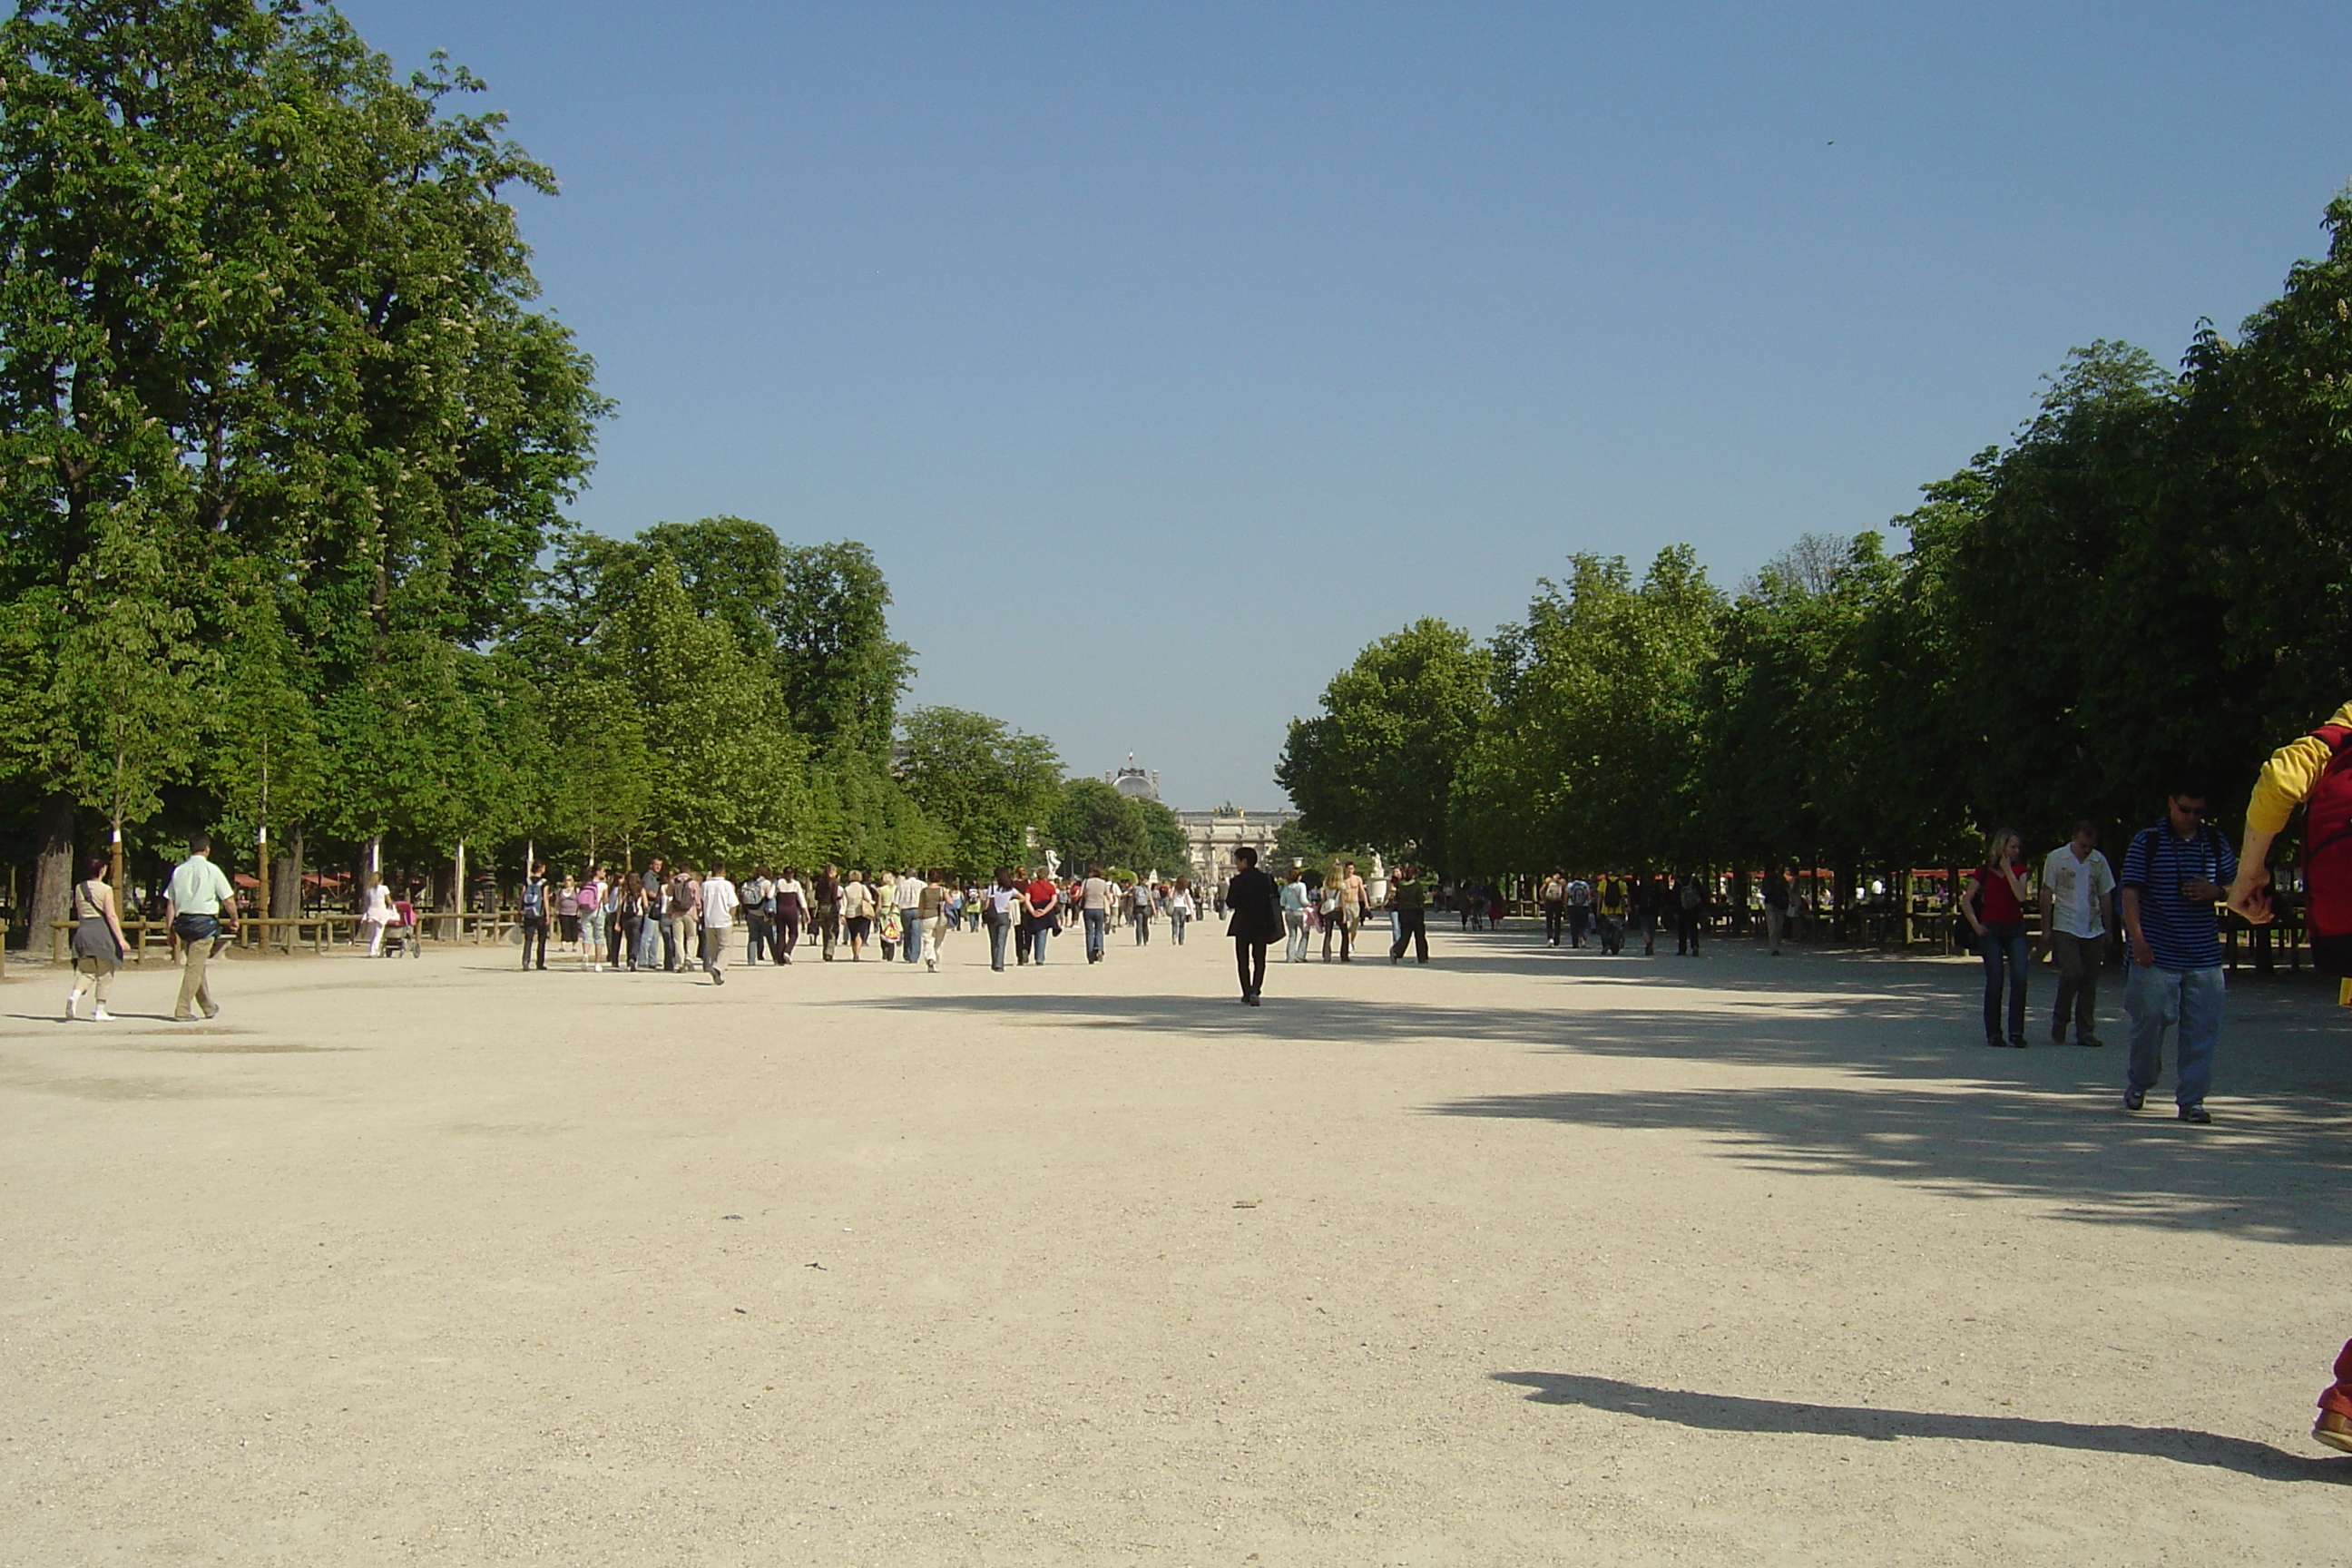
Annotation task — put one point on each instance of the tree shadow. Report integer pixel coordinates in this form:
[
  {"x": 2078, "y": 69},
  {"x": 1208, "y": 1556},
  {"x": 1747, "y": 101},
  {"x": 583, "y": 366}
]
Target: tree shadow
[
  {"x": 1918, "y": 1098},
  {"x": 1733, "y": 1413}
]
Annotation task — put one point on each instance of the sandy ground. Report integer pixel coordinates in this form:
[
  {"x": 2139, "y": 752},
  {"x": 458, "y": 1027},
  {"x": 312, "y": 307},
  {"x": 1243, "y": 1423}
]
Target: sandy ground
[{"x": 1521, "y": 1258}]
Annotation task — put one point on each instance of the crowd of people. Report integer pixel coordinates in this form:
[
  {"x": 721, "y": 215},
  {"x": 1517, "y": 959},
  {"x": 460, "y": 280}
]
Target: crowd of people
[{"x": 680, "y": 920}]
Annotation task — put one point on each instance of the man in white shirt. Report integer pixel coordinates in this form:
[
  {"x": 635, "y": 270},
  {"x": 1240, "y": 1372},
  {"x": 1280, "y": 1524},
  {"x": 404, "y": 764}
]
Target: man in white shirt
[
  {"x": 907, "y": 898},
  {"x": 1095, "y": 895},
  {"x": 198, "y": 903},
  {"x": 2076, "y": 882},
  {"x": 719, "y": 905}
]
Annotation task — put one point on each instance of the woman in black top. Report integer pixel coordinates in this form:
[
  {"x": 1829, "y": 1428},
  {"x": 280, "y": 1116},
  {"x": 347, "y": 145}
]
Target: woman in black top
[{"x": 1256, "y": 904}]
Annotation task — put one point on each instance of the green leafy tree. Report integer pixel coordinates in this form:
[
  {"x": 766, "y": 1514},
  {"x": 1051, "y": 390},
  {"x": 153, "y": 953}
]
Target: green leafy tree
[
  {"x": 1166, "y": 850},
  {"x": 264, "y": 759},
  {"x": 727, "y": 774},
  {"x": 1377, "y": 765},
  {"x": 983, "y": 783},
  {"x": 1094, "y": 825},
  {"x": 130, "y": 679},
  {"x": 273, "y": 292},
  {"x": 842, "y": 674}
]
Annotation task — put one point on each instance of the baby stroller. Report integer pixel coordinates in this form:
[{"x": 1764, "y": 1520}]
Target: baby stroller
[{"x": 402, "y": 938}]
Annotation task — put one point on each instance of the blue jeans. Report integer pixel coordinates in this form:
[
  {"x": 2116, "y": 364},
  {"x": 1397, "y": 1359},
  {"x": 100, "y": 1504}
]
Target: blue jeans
[
  {"x": 910, "y": 934},
  {"x": 1036, "y": 941},
  {"x": 2004, "y": 946},
  {"x": 1293, "y": 943},
  {"x": 648, "y": 946},
  {"x": 1176, "y": 919},
  {"x": 999, "y": 933},
  {"x": 1094, "y": 935},
  {"x": 2189, "y": 1000}
]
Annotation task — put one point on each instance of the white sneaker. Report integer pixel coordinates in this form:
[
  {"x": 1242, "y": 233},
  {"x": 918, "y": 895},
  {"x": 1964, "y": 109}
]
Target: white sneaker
[
  {"x": 71, "y": 997},
  {"x": 101, "y": 1017}
]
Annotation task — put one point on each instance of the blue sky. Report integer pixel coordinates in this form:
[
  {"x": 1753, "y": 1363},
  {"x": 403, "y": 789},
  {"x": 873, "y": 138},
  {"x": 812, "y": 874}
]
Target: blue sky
[{"x": 1165, "y": 354}]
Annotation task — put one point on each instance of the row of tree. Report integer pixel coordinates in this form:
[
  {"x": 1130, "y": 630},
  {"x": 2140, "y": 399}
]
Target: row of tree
[
  {"x": 2151, "y": 581},
  {"x": 284, "y": 449}
]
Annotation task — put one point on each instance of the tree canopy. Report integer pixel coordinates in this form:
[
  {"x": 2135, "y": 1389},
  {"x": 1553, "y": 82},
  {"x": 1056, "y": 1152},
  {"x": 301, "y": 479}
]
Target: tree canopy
[{"x": 2148, "y": 580}]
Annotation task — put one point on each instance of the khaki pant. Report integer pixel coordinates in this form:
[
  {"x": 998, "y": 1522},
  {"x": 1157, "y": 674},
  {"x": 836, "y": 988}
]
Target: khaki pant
[
  {"x": 93, "y": 974},
  {"x": 714, "y": 950},
  {"x": 194, "y": 988},
  {"x": 2079, "y": 958}
]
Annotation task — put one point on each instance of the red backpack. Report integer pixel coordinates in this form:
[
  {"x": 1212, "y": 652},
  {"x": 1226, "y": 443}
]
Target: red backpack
[{"x": 2327, "y": 856}]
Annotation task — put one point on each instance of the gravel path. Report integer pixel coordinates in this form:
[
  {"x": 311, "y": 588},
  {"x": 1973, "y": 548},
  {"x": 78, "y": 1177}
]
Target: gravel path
[{"x": 1521, "y": 1258}]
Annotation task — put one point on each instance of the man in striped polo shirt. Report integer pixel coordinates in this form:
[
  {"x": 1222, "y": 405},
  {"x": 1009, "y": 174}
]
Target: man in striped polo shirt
[{"x": 2174, "y": 874}]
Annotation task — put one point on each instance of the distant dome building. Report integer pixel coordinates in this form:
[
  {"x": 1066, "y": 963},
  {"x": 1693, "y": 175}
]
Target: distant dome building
[{"x": 1134, "y": 782}]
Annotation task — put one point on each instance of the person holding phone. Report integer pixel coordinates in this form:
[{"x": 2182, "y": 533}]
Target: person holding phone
[
  {"x": 1995, "y": 906},
  {"x": 2175, "y": 873}
]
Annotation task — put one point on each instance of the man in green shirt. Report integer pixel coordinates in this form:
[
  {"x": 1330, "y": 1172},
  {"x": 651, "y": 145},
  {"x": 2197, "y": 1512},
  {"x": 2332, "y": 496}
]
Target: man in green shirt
[
  {"x": 199, "y": 905},
  {"x": 1408, "y": 897}
]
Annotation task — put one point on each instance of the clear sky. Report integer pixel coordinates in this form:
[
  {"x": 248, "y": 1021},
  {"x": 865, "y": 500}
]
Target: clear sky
[{"x": 1164, "y": 354}]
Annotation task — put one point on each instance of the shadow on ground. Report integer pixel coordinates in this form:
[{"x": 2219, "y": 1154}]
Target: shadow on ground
[
  {"x": 1731, "y": 1413},
  {"x": 1917, "y": 1097}
]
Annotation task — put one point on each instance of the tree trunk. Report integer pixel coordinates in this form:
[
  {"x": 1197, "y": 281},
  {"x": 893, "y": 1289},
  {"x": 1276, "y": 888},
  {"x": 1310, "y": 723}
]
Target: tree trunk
[
  {"x": 53, "y": 871},
  {"x": 286, "y": 880}
]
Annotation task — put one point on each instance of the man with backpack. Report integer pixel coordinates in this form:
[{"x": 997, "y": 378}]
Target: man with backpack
[
  {"x": 759, "y": 900},
  {"x": 681, "y": 924},
  {"x": 1608, "y": 904},
  {"x": 534, "y": 913},
  {"x": 1553, "y": 897},
  {"x": 1580, "y": 911},
  {"x": 2175, "y": 872}
]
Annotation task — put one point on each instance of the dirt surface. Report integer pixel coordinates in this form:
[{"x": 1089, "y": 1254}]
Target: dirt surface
[{"x": 1521, "y": 1258}]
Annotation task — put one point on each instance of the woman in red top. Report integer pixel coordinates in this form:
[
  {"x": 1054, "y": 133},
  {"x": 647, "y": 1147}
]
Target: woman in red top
[
  {"x": 1038, "y": 919},
  {"x": 1995, "y": 906}
]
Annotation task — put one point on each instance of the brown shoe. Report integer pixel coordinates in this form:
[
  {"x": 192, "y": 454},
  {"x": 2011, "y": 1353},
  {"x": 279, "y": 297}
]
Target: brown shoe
[
  {"x": 2093, "y": 1041},
  {"x": 2333, "y": 1430}
]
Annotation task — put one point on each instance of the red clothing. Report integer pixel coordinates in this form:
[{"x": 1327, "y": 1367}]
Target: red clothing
[
  {"x": 1041, "y": 894},
  {"x": 2338, "y": 1398},
  {"x": 1996, "y": 905}
]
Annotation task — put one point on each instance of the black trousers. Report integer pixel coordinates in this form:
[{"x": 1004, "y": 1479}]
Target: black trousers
[
  {"x": 1412, "y": 926},
  {"x": 1686, "y": 933},
  {"x": 1249, "y": 957},
  {"x": 534, "y": 930},
  {"x": 1553, "y": 915}
]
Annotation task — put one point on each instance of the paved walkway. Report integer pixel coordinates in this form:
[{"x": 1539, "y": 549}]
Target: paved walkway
[{"x": 1521, "y": 1258}]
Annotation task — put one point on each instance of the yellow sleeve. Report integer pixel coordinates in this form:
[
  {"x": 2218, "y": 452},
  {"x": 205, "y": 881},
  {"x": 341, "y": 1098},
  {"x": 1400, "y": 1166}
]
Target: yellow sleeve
[{"x": 2286, "y": 779}]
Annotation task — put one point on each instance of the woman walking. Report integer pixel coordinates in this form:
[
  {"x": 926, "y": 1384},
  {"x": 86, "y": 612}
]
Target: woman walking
[
  {"x": 378, "y": 914},
  {"x": 1294, "y": 919},
  {"x": 625, "y": 907},
  {"x": 591, "y": 921},
  {"x": 98, "y": 940},
  {"x": 1996, "y": 908},
  {"x": 1179, "y": 910},
  {"x": 791, "y": 908},
  {"x": 1257, "y": 920}
]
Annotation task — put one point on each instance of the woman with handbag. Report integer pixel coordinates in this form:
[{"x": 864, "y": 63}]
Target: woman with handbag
[{"x": 97, "y": 940}]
